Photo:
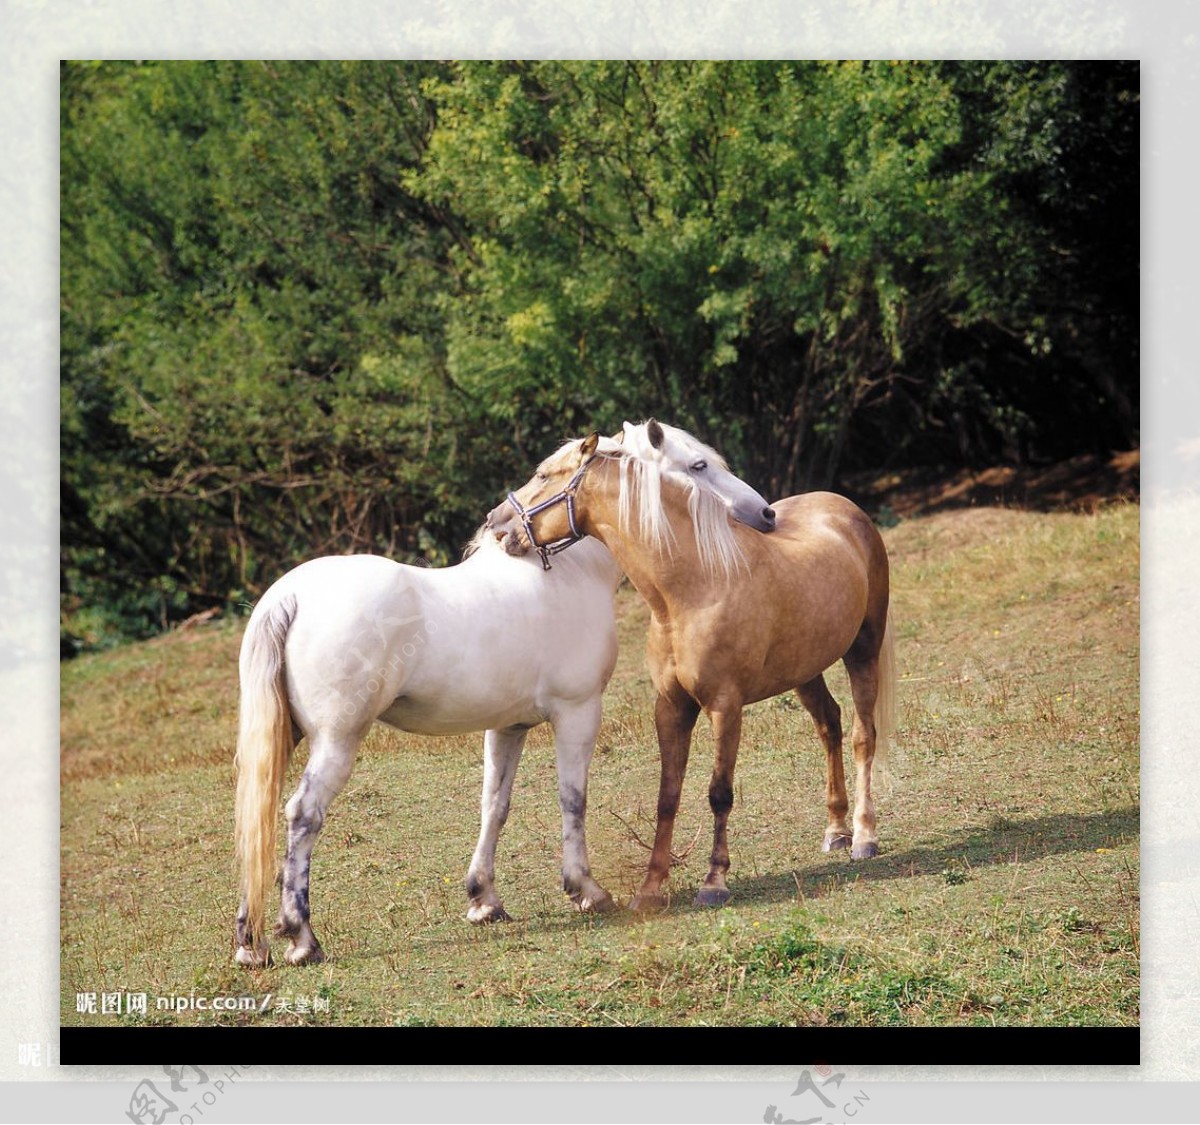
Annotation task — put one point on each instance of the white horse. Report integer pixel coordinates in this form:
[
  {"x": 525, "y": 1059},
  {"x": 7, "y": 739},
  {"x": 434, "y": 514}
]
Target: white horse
[{"x": 492, "y": 644}]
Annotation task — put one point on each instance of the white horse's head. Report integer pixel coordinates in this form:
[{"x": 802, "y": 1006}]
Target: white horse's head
[
  {"x": 689, "y": 463},
  {"x": 650, "y": 457}
]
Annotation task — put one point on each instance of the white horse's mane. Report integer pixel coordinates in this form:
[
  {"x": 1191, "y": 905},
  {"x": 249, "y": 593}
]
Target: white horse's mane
[{"x": 641, "y": 490}]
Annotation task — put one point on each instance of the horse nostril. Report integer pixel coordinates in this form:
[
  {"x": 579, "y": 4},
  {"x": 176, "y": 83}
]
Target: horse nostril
[{"x": 768, "y": 514}]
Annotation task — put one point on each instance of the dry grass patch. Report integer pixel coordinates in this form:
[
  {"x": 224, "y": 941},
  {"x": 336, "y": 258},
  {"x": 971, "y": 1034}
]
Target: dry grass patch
[{"x": 1006, "y": 891}]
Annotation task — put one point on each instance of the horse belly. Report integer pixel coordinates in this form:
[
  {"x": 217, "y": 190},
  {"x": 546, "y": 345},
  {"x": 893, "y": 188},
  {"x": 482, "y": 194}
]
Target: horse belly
[
  {"x": 460, "y": 714},
  {"x": 462, "y": 681},
  {"x": 780, "y": 636},
  {"x": 483, "y": 668}
]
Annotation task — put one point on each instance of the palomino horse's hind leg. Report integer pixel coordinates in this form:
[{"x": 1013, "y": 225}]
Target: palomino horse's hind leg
[
  {"x": 727, "y": 731},
  {"x": 864, "y": 685},
  {"x": 827, "y": 717},
  {"x": 328, "y": 767},
  {"x": 674, "y": 719},
  {"x": 501, "y": 753},
  {"x": 575, "y": 734}
]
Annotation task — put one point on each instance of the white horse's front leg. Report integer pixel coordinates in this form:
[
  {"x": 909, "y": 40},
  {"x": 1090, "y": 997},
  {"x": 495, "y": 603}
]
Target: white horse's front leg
[
  {"x": 501, "y": 753},
  {"x": 575, "y": 740}
]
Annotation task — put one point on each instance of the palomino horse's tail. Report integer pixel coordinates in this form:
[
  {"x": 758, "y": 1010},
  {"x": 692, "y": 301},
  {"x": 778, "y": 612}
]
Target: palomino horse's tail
[
  {"x": 264, "y": 746},
  {"x": 885, "y": 701}
]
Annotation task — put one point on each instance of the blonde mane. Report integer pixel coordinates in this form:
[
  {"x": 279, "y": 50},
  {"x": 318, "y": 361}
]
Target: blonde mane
[{"x": 641, "y": 492}]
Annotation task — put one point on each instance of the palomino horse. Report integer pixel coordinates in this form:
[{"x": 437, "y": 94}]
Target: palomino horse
[
  {"x": 492, "y": 643},
  {"x": 737, "y": 616}
]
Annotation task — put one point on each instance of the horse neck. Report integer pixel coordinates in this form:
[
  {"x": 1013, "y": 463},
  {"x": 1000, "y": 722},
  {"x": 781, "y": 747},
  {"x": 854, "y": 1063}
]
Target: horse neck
[{"x": 667, "y": 578}]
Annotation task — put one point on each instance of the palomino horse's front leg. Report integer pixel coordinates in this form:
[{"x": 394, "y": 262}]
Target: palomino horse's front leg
[
  {"x": 328, "y": 768},
  {"x": 674, "y": 719},
  {"x": 575, "y": 734},
  {"x": 501, "y": 754},
  {"x": 827, "y": 717},
  {"x": 727, "y": 731}
]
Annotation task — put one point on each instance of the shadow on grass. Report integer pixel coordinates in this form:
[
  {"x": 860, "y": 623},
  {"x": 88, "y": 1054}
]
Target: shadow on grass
[
  {"x": 1008, "y": 841},
  {"x": 1005, "y": 842}
]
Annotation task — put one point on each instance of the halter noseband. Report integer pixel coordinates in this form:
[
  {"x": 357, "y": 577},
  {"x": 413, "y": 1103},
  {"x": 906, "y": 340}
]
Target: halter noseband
[{"x": 567, "y": 495}]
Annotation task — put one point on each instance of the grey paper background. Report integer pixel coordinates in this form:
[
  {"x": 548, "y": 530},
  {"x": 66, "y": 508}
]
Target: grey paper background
[{"x": 1166, "y": 37}]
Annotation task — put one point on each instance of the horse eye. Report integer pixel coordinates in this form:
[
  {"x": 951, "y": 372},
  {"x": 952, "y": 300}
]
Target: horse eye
[
  {"x": 539, "y": 475},
  {"x": 699, "y": 466}
]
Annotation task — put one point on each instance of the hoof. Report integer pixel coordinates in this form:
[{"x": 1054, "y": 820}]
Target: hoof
[
  {"x": 484, "y": 912},
  {"x": 602, "y": 903},
  {"x": 304, "y": 954},
  {"x": 835, "y": 843},
  {"x": 648, "y": 904},
  {"x": 252, "y": 958},
  {"x": 869, "y": 850},
  {"x": 712, "y": 896}
]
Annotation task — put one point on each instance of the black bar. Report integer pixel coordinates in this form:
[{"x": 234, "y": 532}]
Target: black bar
[{"x": 533, "y": 1046}]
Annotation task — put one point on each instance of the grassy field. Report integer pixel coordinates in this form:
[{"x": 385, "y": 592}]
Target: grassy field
[{"x": 1006, "y": 891}]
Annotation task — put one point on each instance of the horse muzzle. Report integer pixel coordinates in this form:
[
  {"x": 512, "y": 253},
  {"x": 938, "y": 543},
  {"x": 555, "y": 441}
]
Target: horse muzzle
[
  {"x": 756, "y": 514},
  {"x": 502, "y": 522}
]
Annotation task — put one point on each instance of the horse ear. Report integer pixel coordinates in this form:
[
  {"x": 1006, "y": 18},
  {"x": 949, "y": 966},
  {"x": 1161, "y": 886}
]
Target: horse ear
[
  {"x": 587, "y": 447},
  {"x": 655, "y": 433}
]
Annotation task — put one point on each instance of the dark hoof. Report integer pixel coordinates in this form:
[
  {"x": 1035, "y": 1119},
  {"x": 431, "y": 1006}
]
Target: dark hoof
[
  {"x": 712, "y": 896},
  {"x": 835, "y": 843},
  {"x": 865, "y": 851}
]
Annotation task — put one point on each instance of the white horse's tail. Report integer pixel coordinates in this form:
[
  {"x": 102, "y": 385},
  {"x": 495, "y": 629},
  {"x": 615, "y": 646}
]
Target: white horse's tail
[
  {"x": 885, "y": 701},
  {"x": 264, "y": 746}
]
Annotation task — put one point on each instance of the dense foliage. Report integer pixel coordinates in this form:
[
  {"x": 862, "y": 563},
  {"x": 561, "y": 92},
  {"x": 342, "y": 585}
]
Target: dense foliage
[{"x": 321, "y": 307}]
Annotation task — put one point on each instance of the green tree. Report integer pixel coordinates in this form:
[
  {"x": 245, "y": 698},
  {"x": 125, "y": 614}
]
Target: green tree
[
  {"x": 252, "y": 359},
  {"x": 814, "y": 264},
  {"x": 320, "y": 307}
]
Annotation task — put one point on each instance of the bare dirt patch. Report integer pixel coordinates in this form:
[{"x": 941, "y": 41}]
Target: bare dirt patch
[{"x": 1081, "y": 483}]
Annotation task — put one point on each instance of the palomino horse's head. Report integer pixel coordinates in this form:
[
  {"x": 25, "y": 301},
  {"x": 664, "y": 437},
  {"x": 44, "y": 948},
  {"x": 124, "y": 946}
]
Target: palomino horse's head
[{"x": 542, "y": 513}]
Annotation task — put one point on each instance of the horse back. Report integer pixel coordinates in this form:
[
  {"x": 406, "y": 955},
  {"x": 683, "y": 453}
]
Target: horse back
[
  {"x": 831, "y": 540},
  {"x": 825, "y": 524}
]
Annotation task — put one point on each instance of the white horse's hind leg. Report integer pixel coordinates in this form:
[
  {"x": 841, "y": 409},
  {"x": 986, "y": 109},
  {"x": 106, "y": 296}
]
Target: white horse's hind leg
[
  {"x": 501, "y": 753},
  {"x": 253, "y": 954},
  {"x": 574, "y": 741},
  {"x": 329, "y": 766}
]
